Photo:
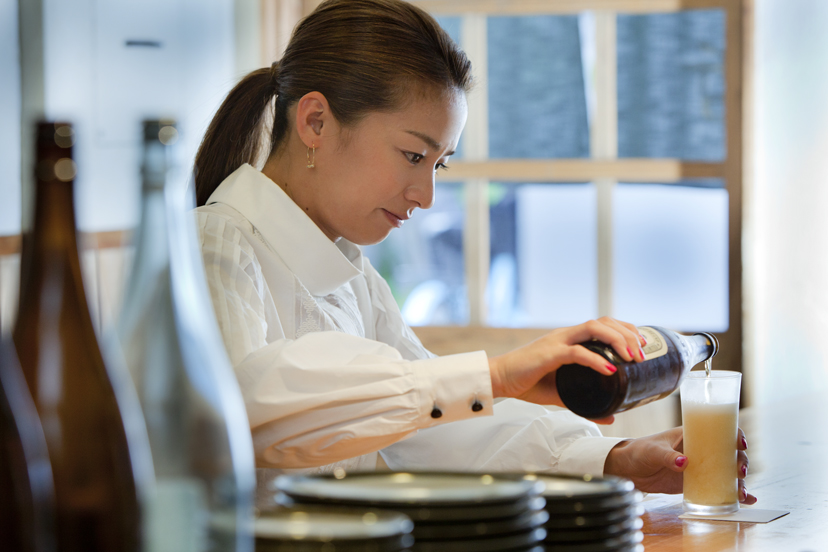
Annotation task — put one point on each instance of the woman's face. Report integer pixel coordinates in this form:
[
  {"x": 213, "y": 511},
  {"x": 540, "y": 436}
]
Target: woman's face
[{"x": 374, "y": 175}]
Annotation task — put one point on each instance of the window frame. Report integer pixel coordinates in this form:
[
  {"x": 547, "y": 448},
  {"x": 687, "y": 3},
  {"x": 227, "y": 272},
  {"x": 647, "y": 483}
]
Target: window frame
[{"x": 603, "y": 168}]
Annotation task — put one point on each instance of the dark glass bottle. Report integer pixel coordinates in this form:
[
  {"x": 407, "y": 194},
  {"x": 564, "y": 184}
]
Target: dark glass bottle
[
  {"x": 26, "y": 488},
  {"x": 92, "y": 424},
  {"x": 669, "y": 356},
  {"x": 198, "y": 428}
]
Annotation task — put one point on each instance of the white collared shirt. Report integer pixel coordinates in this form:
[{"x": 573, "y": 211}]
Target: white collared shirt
[{"x": 331, "y": 374}]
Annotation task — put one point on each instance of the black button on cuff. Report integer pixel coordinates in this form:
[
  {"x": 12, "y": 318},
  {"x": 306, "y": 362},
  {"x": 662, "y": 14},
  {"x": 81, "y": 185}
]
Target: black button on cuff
[
  {"x": 476, "y": 406},
  {"x": 436, "y": 413}
]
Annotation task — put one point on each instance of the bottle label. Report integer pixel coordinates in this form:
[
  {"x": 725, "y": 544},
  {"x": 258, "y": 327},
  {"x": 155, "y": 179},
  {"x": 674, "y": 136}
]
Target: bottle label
[{"x": 656, "y": 344}]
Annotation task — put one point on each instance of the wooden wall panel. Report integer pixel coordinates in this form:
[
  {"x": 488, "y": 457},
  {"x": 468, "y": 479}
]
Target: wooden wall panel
[{"x": 105, "y": 263}]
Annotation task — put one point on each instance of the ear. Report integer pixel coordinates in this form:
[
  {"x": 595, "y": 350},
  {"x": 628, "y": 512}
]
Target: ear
[{"x": 314, "y": 120}]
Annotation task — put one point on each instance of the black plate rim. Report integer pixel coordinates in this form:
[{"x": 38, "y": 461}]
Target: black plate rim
[
  {"x": 388, "y": 523},
  {"x": 558, "y": 521},
  {"x": 516, "y": 541},
  {"x": 531, "y": 519},
  {"x": 518, "y": 486},
  {"x": 590, "y": 506}
]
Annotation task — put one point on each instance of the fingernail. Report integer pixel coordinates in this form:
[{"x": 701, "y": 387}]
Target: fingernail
[
  {"x": 643, "y": 356},
  {"x": 681, "y": 461},
  {"x": 611, "y": 368},
  {"x": 629, "y": 352},
  {"x": 744, "y": 494},
  {"x": 744, "y": 471},
  {"x": 643, "y": 339},
  {"x": 744, "y": 443}
]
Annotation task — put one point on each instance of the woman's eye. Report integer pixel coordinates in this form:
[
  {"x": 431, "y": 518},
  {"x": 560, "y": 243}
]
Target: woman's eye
[
  {"x": 414, "y": 158},
  {"x": 442, "y": 167}
]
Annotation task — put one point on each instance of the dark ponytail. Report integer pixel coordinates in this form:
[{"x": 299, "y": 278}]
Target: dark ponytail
[
  {"x": 362, "y": 55},
  {"x": 234, "y": 136}
]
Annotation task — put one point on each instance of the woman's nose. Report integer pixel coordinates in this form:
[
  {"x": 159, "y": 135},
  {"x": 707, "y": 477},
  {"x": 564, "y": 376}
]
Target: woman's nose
[{"x": 421, "y": 192}]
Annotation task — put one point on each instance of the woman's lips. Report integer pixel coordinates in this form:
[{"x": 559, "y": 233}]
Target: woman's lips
[{"x": 395, "y": 221}]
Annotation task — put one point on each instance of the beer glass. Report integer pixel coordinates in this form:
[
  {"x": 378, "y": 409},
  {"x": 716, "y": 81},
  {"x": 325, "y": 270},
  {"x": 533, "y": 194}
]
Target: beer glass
[{"x": 710, "y": 414}]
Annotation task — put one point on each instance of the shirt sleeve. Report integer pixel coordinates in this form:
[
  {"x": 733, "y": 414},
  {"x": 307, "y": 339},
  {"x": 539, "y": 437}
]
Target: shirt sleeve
[
  {"x": 236, "y": 285},
  {"x": 327, "y": 396},
  {"x": 519, "y": 437}
]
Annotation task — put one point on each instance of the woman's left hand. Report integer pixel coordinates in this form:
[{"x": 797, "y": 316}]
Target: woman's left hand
[{"x": 655, "y": 463}]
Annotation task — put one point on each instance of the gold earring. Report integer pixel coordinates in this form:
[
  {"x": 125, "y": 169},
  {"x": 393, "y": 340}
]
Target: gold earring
[{"x": 311, "y": 160}]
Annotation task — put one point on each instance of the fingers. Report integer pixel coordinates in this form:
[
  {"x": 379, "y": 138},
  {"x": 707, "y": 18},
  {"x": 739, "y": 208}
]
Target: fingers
[
  {"x": 742, "y": 464},
  {"x": 630, "y": 334},
  {"x": 744, "y": 496},
  {"x": 617, "y": 335},
  {"x": 677, "y": 436},
  {"x": 641, "y": 341},
  {"x": 585, "y": 357},
  {"x": 675, "y": 461}
]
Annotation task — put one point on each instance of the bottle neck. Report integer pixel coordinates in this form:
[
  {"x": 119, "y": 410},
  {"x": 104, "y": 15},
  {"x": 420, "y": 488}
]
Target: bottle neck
[
  {"x": 54, "y": 226},
  {"x": 701, "y": 346},
  {"x": 151, "y": 243},
  {"x": 152, "y": 252},
  {"x": 151, "y": 264}
]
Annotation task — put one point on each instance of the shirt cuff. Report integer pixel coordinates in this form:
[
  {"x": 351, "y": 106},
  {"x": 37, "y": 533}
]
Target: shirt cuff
[
  {"x": 453, "y": 387},
  {"x": 587, "y": 455}
]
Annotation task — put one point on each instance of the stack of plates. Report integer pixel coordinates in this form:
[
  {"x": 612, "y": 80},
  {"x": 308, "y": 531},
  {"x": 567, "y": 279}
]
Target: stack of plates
[
  {"x": 452, "y": 512},
  {"x": 590, "y": 514},
  {"x": 298, "y": 529}
]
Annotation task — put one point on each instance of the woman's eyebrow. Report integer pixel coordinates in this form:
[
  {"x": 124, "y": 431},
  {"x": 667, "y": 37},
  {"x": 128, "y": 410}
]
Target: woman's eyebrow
[{"x": 430, "y": 142}]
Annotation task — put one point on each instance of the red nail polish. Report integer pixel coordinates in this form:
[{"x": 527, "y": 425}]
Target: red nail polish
[
  {"x": 643, "y": 356},
  {"x": 744, "y": 471},
  {"x": 611, "y": 368},
  {"x": 744, "y": 443},
  {"x": 629, "y": 352},
  {"x": 681, "y": 460},
  {"x": 644, "y": 339}
]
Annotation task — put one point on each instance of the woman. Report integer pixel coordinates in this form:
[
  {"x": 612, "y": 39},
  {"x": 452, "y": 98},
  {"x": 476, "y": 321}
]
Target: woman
[{"x": 367, "y": 103}]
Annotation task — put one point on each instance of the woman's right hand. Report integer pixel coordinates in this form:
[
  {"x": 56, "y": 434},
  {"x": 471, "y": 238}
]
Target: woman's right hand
[{"x": 528, "y": 373}]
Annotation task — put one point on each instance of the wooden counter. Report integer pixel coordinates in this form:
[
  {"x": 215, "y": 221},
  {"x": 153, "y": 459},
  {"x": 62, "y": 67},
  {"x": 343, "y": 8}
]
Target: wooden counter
[{"x": 788, "y": 451}]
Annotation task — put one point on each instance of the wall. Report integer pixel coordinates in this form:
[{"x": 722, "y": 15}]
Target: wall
[
  {"x": 109, "y": 65},
  {"x": 786, "y": 242},
  {"x": 104, "y": 66}
]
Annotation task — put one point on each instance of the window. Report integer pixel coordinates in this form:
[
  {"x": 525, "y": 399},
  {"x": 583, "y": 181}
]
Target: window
[{"x": 599, "y": 174}]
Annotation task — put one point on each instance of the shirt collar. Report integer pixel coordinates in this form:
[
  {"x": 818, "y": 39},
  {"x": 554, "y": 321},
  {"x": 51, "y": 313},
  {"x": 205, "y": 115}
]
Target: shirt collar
[{"x": 320, "y": 264}]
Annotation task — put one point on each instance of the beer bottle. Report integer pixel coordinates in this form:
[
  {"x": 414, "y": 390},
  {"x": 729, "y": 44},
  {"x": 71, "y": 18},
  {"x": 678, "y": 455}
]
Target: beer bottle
[
  {"x": 669, "y": 356},
  {"x": 92, "y": 424}
]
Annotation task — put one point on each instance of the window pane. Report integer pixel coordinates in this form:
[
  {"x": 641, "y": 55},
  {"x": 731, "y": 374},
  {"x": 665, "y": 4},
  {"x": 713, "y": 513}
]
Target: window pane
[
  {"x": 537, "y": 104},
  {"x": 543, "y": 271},
  {"x": 670, "y": 256},
  {"x": 423, "y": 262},
  {"x": 450, "y": 24},
  {"x": 671, "y": 85}
]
